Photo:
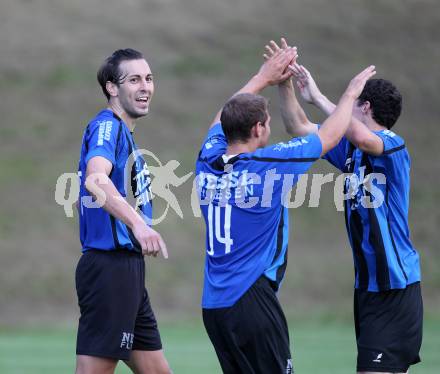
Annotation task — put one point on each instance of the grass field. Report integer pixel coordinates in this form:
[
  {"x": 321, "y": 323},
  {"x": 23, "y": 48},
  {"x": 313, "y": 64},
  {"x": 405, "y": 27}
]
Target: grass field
[{"x": 319, "y": 348}]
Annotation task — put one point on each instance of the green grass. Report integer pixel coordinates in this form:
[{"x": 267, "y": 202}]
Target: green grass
[{"x": 320, "y": 347}]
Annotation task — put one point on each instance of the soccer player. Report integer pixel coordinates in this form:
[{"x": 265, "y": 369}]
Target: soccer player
[
  {"x": 388, "y": 308},
  {"x": 117, "y": 321},
  {"x": 241, "y": 183}
]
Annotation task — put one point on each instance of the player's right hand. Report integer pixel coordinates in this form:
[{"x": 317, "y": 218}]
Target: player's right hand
[
  {"x": 274, "y": 71},
  {"x": 307, "y": 86},
  {"x": 150, "y": 240},
  {"x": 357, "y": 84}
]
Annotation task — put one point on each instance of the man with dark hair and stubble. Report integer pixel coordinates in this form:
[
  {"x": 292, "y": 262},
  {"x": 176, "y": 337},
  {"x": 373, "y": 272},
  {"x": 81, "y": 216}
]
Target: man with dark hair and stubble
[
  {"x": 388, "y": 308},
  {"x": 242, "y": 182},
  {"x": 117, "y": 321}
]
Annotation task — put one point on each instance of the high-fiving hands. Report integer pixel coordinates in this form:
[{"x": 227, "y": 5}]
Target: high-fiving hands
[
  {"x": 272, "y": 49},
  {"x": 304, "y": 80},
  {"x": 275, "y": 69},
  {"x": 308, "y": 88}
]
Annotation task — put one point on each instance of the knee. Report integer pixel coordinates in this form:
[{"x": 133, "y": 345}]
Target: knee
[
  {"x": 158, "y": 368},
  {"x": 93, "y": 365},
  {"x": 164, "y": 368}
]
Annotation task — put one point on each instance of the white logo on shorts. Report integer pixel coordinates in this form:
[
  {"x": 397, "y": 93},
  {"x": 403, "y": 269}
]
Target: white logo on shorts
[
  {"x": 127, "y": 340},
  {"x": 289, "y": 367},
  {"x": 378, "y": 358}
]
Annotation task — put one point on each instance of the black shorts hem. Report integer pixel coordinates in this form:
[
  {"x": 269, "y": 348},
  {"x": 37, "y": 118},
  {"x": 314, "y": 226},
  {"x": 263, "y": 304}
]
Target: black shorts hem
[
  {"x": 148, "y": 349},
  {"x": 104, "y": 355},
  {"x": 383, "y": 370}
]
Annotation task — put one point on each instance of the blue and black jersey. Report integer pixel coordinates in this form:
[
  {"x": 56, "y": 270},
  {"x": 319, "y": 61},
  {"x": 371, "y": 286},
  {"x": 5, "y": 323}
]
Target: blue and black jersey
[
  {"x": 109, "y": 137},
  {"x": 376, "y": 213},
  {"x": 241, "y": 201}
]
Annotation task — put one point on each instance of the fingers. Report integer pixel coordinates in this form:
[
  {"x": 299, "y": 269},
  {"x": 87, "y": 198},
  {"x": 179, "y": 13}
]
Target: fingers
[
  {"x": 156, "y": 248},
  {"x": 300, "y": 85},
  {"x": 163, "y": 247},
  {"x": 273, "y": 48},
  {"x": 288, "y": 74},
  {"x": 358, "y": 82},
  {"x": 367, "y": 72},
  {"x": 299, "y": 74},
  {"x": 153, "y": 243},
  {"x": 295, "y": 70},
  {"x": 275, "y": 67},
  {"x": 370, "y": 71},
  {"x": 269, "y": 50},
  {"x": 364, "y": 75},
  {"x": 274, "y": 45},
  {"x": 284, "y": 56},
  {"x": 304, "y": 71},
  {"x": 148, "y": 247}
]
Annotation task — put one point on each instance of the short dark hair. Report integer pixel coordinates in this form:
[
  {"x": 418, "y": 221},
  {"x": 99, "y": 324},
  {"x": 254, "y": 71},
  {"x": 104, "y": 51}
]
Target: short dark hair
[
  {"x": 109, "y": 70},
  {"x": 240, "y": 114},
  {"x": 385, "y": 101}
]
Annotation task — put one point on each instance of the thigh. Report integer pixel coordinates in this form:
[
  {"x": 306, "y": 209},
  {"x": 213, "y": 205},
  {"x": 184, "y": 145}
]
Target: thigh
[
  {"x": 224, "y": 344},
  {"x": 252, "y": 335},
  {"x": 390, "y": 329},
  {"x": 94, "y": 365},
  {"x": 146, "y": 331},
  {"x": 263, "y": 333},
  {"x": 148, "y": 362},
  {"x": 109, "y": 292}
]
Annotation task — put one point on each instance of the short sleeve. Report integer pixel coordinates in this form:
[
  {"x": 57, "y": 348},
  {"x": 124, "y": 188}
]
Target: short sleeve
[
  {"x": 391, "y": 141},
  {"x": 214, "y": 144},
  {"x": 338, "y": 155},
  {"x": 307, "y": 148},
  {"x": 293, "y": 157},
  {"x": 101, "y": 139}
]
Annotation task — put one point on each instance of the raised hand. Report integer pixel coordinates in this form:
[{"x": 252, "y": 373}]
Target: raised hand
[
  {"x": 357, "y": 84},
  {"x": 273, "y": 51},
  {"x": 274, "y": 70},
  {"x": 307, "y": 86},
  {"x": 273, "y": 47}
]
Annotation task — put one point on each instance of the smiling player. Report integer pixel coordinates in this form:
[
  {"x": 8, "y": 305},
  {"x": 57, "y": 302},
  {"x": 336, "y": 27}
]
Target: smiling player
[{"x": 117, "y": 321}]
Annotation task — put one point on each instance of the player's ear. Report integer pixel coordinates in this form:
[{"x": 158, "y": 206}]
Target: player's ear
[
  {"x": 258, "y": 131},
  {"x": 111, "y": 88},
  {"x": 366, "y": 106}
]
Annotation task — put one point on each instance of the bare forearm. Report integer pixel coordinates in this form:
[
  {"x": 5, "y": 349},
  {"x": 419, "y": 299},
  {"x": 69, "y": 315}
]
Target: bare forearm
[
  {"x": 324, "y": 104},
  {"x": 103, "y": 189},
  {"x": 294, "y": 118},
  {"x": 357, "y": 133},
  {"x": 255, "y": 85},
  {"x": 335, "y": 126}
]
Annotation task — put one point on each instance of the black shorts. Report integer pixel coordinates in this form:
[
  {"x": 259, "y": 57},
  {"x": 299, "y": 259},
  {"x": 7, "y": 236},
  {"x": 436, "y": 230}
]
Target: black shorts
[
  {"x": 251, "y": 336},
  {"x": 388, "y": 329},
  {"x": 116, "y": 315}
]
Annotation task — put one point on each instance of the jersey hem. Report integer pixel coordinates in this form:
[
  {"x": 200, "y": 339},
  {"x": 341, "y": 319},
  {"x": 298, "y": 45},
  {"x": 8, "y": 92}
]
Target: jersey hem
[
  {"x": 376, "y": 289},
  {"x": 231, "y": 304}
]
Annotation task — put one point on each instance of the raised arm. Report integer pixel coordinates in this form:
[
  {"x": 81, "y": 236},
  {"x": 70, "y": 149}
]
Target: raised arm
[
  {"x": 357, "y": 133},
  {"x": 273, "y": 71},
  {"x": 336, "y": 125},
  {"x": 294, "y": 118}
]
